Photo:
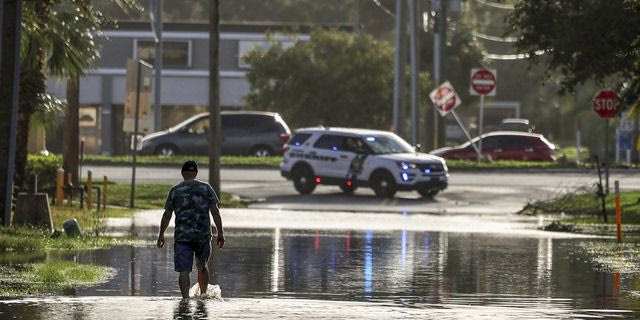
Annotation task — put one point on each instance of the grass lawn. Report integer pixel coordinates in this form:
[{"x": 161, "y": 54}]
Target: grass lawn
[
  {"x": 586, "y": 207},
  {"x": 38, "y": 278},
  {"x": 179, "y": 160},
  {"x": 16, "y": 238},
  {"x": 148, "y": 196},
  {"x": 152, "y": 196},
  {"x": 506, "y": 164},
  {"x": 583, "y": 212}
]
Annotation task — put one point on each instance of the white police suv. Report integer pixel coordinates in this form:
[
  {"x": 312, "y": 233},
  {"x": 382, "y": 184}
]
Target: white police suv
[{"x": 352, "y": 158}]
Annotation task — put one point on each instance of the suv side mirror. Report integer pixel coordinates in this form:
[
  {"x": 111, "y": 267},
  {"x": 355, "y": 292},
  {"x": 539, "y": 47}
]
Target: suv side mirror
[{"x": 417, "y": 147}]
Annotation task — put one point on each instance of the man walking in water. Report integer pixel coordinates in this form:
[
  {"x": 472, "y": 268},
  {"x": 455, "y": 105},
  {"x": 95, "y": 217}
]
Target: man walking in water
[{"x": 191, "y": 200}]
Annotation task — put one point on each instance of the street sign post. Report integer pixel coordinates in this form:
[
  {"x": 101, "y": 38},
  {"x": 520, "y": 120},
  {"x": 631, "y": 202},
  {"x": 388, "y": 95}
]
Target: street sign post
[
  {"x": 137, "y": 107},
  {"x": 482, "y": 83},
  {"x": 445, "y": 99},
  {"x": 606, "y": 103}
]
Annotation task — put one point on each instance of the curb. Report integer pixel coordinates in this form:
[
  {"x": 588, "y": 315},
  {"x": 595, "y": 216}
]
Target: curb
[{"x": 173, "y": 165}]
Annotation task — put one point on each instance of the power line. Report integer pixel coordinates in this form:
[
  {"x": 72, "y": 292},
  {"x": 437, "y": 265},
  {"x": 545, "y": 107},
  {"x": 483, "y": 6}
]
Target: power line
[
  {"x": 383, "y": 8},
  {"x": 496, "y": 5},
  {"x": 518, "y": 56}
]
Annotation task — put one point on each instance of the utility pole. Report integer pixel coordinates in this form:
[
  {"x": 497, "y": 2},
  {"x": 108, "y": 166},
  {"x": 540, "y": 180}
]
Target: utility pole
[
  {"x": 439, "y": 38},
  {"x": 415, "y": 88},
  {"x": 10, "y": 23},
  {"x": 157, "y": 66},
  {"x": 435, "y": 8},
  {"x": 398, "y": 79},
  {"x": 214, "y": 96},
  {"x": 443, "y": 74}
]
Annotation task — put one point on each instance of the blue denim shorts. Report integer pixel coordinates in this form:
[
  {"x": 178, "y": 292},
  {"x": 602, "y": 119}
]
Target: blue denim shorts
[{"x": 184, "y": 251}]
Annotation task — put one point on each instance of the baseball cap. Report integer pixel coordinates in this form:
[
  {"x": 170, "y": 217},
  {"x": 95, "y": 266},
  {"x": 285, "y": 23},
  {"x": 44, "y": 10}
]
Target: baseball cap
[{"x": 190, "y": 165}]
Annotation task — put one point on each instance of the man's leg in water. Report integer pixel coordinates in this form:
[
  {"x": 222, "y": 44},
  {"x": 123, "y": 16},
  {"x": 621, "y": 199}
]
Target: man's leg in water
[
  {"x": 203, "y": 278},
  {"x": 203, "y": 252},
  {"x": 183, "y": 281}
]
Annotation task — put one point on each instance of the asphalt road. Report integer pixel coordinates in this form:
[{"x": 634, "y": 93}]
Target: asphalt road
[{"x": 483, "y": 193}]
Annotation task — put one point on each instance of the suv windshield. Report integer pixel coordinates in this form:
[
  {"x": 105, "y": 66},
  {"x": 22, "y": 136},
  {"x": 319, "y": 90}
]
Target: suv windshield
[
  {"x": 387, "y": 144},
  {"x": 188, "y": 121}
]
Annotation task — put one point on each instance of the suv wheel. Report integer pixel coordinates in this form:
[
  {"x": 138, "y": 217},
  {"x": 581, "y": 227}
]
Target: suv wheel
[
  {"x": 166, "y": 150},
  {"x": 348, "y": 189},
  {"x": 261, "y": 151},
  {"x": 303, "y": 180},
  {"x": 383, "y": 184},
  {"x": 428, "y": 193}
]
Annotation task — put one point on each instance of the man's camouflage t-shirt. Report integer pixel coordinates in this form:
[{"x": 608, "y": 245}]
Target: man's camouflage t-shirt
[{"x": 191, "y": 201}]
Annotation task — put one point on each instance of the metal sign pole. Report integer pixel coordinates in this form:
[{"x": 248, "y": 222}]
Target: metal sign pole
[
  {"x": 135, "y": 138},
  {"x": 480, "y": 124},
  {"x": 606, "y": 155},
  {"x": 466, "y": 133}
]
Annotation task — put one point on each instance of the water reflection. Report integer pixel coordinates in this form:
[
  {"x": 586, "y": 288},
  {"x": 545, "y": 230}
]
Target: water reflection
[
  {"x": 368, "y": 265},
  {"x": 423, "y": 270},
  {"x": 186, "y": 311}
]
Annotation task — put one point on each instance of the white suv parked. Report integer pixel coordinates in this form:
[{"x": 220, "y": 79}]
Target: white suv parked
[{"x": 352, "y": 158}]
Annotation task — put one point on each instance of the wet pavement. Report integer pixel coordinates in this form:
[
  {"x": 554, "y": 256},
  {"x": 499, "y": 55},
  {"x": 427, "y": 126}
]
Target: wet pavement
[
  {"x": 364, "y": 272},
  {"x": 482, "y": 192}
]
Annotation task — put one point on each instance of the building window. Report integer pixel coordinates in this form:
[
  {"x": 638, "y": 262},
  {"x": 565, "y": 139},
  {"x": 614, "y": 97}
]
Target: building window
[{"x": 176, "y": 54}]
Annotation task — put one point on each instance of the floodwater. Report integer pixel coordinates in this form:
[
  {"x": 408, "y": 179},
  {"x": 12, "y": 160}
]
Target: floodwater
[{"x": 283, "y": 273}]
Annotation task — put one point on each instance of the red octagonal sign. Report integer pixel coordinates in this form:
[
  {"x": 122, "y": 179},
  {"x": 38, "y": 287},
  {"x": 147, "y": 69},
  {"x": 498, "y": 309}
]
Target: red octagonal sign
[
  {"x": 483, "y": 82},
  {"x": 606, "y": 103},
  {"x": 445, "y": 98}
]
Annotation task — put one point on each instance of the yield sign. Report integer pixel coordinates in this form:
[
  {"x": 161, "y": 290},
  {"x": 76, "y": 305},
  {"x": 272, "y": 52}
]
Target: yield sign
[{"x": 445, "y": 98}]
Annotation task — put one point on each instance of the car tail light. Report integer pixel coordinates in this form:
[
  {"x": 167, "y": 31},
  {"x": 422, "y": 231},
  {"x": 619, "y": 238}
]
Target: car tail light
[{"x": 284, "y": 137}]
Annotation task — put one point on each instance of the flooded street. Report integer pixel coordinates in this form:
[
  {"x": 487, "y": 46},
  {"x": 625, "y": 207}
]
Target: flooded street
[{"x": 347, "y": 274}]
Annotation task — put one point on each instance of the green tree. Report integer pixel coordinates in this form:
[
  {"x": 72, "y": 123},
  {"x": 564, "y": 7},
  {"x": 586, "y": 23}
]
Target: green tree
[
  {"x": 59, "y": 38},
  {"x": 335, "y": 79},
  {"x": 582, "y": 40}
]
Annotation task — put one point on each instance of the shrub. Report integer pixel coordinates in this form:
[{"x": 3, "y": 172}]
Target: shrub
[{"x": 45, "y": 167}]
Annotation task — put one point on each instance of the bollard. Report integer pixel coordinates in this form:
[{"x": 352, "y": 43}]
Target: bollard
[
  {"x": 89, "y": 190},
  {"x": 33, "y": 183},
  {"x": 105, "y": 182},
  {"x": 618, "y": 212},
  {"x": 59, "y": 186}
]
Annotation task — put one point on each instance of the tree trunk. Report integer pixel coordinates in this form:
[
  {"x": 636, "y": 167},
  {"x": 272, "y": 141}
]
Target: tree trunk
[
  {"x": 9, "y": 79},
  {"x": 71, "y": 136},
  {"x": 214, "y": 97},
  {"x": 32, "y": 85}
]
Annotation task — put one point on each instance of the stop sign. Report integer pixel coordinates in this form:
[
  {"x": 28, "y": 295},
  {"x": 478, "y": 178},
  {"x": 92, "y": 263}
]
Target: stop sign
[
  {"x": 445, "y": 98},
  {"x": 606, "y": 103},
  {"x": 483, "y": 82}
]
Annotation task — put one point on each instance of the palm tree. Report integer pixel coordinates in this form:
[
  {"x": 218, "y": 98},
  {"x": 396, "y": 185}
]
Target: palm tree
[{"x": 59, "y": 38}]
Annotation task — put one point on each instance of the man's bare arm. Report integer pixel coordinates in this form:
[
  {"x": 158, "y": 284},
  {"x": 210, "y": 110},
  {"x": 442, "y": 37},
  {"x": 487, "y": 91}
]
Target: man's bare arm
[
  {"x": 215, "y": 213},
  {"x": 164, "y": 223}
]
